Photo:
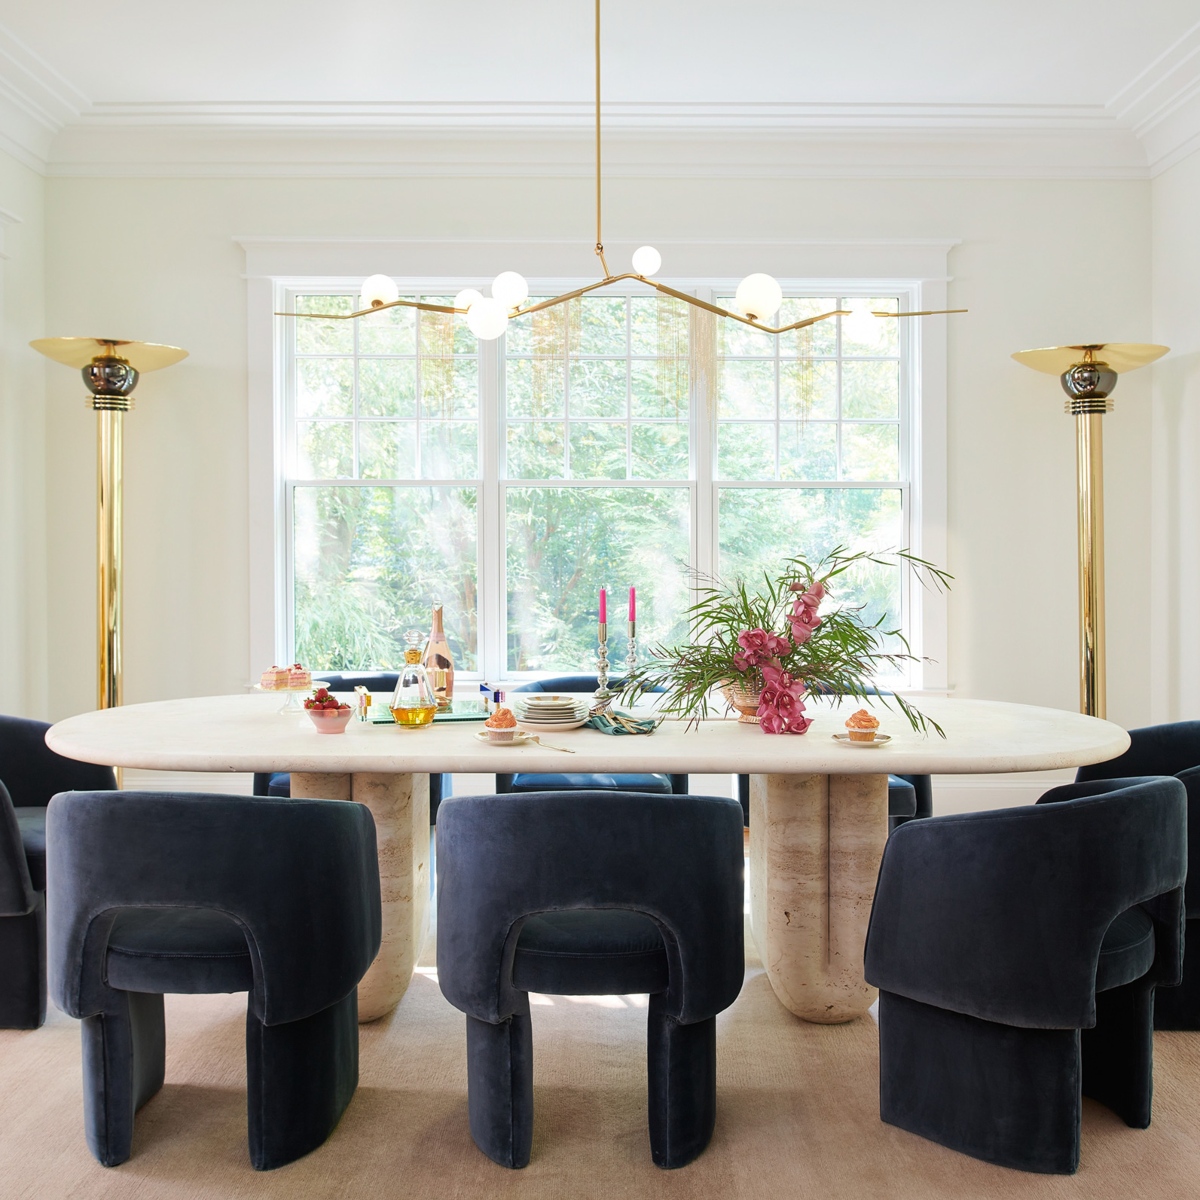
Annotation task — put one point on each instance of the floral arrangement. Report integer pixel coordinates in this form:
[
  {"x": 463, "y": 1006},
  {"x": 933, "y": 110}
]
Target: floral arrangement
[{"x": 775, "y": 645}]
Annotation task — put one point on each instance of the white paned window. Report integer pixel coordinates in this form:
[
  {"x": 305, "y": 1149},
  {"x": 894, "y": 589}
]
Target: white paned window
[{"x": 619, "y": 439}]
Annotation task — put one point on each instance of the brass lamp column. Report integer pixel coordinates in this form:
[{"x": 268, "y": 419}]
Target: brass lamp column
[
  {"x": 1088, "y": 374},
  {"x": 110, "y": 374}
]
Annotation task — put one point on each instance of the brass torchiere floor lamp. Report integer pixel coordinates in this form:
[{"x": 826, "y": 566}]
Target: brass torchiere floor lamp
[
  {"x": 111, "y": 369},
  {"x": 1089, "y": 374}
]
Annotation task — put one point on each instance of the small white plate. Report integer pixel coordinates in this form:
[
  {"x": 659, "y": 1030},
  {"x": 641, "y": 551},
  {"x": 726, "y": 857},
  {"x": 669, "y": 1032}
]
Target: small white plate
[
  {"x": 881, "y": 739},
  {"x": 519, "y": 739},
  {"x": 553, "y": 726}
]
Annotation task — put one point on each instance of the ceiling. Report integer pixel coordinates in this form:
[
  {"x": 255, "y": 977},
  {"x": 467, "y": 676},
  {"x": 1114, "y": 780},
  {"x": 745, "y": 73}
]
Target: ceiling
[{"x": 83, "y": 83}]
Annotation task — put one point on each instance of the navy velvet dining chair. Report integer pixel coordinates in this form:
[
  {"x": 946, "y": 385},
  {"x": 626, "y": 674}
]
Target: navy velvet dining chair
[
  {"x": 30, "y": 773},
  {"x": 589, "y": 893},
  {"x": 154, "y": 892},
  {"x": 567, "y": 781},
  {"x": 1172, "y": 749},
  {"x": 1017, "y": 954},
  {"x": 378, "y": 683}
]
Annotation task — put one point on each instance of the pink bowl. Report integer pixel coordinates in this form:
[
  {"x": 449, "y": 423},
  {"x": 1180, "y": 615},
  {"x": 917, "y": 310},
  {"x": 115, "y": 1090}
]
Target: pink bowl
[{"x": 330, "y": 720}]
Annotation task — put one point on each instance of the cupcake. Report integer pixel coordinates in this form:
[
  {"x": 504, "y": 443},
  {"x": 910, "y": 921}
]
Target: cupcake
[
  {"x": 501, "y": 726},
  {"x": 862, "y": 726}
]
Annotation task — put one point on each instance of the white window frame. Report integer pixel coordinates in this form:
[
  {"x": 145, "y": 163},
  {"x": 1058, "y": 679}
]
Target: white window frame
[{"x": 274, "y": 266}]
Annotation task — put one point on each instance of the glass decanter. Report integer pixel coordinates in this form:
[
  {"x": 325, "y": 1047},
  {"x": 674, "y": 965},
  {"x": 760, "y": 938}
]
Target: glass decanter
[{"x": 413, "y": 701}]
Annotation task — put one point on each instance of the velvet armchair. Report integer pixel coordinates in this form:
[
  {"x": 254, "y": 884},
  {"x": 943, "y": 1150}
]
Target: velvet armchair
[
  {"x": 589, "y": 893},
  {"x": 1170, "y": 750},
  {"x": 30, "y": 773},
  {"x": 1017, "y": 953},
  {"x": 172, "y": 892}
]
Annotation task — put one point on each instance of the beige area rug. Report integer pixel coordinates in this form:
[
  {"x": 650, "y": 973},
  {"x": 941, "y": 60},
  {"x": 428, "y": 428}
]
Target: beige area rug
[{"x": 797, "y": 1116}]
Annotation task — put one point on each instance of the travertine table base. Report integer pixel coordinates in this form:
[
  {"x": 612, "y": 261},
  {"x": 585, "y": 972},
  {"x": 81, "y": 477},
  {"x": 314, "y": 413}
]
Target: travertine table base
[
  {"x": 815, "y": 846},
  {"x": 400, "y": 805}
]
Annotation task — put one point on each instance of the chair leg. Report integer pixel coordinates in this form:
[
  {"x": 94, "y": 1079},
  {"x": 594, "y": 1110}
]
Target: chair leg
[
  {"x": 682, "y": 1076},
  {"x": 299, "y": 1079},
  {"x": 23, "y": 953},
  {"x": 1008, "y": 1096},
  {"x": 1118, "y": 1053},
  {"x": 124, "y": 1056},
  {"x": 500, "y": 1086},
  {"x": 1179, "y": 1007}
]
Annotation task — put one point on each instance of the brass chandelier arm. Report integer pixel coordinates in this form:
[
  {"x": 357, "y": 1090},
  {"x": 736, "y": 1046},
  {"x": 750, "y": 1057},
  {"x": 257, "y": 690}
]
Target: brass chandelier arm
[
  {"x": 423, "y": 305},
  {"x": 665, "y": 289},
  {"x": 925, "y": 312}
]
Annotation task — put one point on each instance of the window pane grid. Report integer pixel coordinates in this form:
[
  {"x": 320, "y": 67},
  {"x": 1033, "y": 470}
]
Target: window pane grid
[
  {"x": 394, "y": 394},
  {"x": 821, "y": 403},
  {"x": 596, "y": 483},
  {"x": 602, "y": 413}
]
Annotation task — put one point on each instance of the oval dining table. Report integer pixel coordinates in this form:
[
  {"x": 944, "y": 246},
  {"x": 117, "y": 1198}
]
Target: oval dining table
[{"x": 818, "y": 818}]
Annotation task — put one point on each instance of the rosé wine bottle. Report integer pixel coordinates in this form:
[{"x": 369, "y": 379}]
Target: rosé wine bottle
[{"x": 438, "y": 661}]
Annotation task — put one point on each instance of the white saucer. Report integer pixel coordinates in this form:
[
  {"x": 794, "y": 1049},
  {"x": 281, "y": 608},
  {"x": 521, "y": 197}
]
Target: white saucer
[
  {"x": 881, "y": 739},
  {"x": 519, "y": 739}
]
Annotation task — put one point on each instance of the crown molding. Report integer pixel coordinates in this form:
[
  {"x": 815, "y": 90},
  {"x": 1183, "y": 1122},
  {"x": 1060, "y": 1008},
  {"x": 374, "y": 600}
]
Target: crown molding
[
  {"x": 35, "y": 103},
  {"x": 543, "y": 116},
  {"x": 1091, "y": 151},
  {"x": 50, "y": 126},
  {"x": 1162, "y": 104}
]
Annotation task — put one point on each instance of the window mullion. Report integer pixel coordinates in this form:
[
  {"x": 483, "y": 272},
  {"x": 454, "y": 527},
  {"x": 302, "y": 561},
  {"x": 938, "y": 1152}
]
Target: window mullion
[
  {"x": 703, "y": 385},
  {"x": 492, "y": 580}
]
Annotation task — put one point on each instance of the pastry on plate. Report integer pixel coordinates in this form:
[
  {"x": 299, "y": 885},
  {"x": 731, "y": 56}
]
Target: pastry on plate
[
  {"x": 501, "y": 726},
  {"x": 862, "y": 727}
]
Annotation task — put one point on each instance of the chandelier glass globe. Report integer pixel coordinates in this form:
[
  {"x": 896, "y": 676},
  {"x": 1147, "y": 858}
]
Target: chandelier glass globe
[
  {"x": 646, "y": 261},
  {"x": 510, "y": 289},
  {"x": 378, "y": 290},
  {"x": 487, "y": 319},
  {"x": 467, "y": 297},
  {"x": 758, "y": 296}
]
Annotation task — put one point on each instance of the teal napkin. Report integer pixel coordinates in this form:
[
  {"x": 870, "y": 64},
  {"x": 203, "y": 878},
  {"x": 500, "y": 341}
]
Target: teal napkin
[{"x": 618, "y": 723}]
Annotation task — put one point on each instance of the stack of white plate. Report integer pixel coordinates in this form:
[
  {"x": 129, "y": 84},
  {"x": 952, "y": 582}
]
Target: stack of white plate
[{"x": 543, "y": 710}]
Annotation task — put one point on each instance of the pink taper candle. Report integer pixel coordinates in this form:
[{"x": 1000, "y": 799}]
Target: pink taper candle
[
  {"x": 603, "y": 607},
  {"x": 632, "y": 605}
]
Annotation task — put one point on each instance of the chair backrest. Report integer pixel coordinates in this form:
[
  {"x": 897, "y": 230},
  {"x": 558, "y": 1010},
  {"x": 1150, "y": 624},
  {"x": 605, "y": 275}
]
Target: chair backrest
[
  {"x": 573, "y": 683},
  {"x": 373, "y": 681},
  {"x": 1153, "y": 750},
  {"x": 1172, "y": 749},
  {"x": 1000, "y": 915},
  {"x": 33, "y": 773},
  {"x": 17, "y": 896},
  {"x": 677, "y": 859},
  {"x": 300, "y": 876}
]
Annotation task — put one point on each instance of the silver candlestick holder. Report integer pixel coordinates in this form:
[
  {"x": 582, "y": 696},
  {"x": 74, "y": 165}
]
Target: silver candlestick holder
[
  {"x": 602, "y": 696},
  {"x": 631, "y": 654}
]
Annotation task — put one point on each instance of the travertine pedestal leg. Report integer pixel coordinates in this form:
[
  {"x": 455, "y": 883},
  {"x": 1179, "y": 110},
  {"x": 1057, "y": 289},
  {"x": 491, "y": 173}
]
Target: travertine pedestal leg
[
  {"x": 400, "y": 806},
  {"x": 815, "y": 846}
]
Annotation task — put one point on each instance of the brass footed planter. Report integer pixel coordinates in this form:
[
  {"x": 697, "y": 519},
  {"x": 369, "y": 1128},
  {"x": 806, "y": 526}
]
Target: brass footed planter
[{"x": 744, "y": 700}]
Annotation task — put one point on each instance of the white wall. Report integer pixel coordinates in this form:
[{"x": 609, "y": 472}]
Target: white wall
[
  {"x": 1041, "y": 262},
  {"x": 1175, "y": 485},
  {"x": 23, "y": 554}
]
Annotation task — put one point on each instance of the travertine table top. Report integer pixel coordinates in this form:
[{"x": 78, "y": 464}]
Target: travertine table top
[{"x": 248, "y": 733}]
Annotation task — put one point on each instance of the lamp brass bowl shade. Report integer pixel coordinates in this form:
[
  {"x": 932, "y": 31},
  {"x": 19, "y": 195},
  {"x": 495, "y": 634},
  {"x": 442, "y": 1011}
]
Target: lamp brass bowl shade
[
  {"x": 1119, "y": 356},
  {"x": 79, "y": 352}
]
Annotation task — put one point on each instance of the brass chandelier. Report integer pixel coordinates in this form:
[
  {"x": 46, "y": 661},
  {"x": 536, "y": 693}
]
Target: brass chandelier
[{"x": 756, "y": 301}]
